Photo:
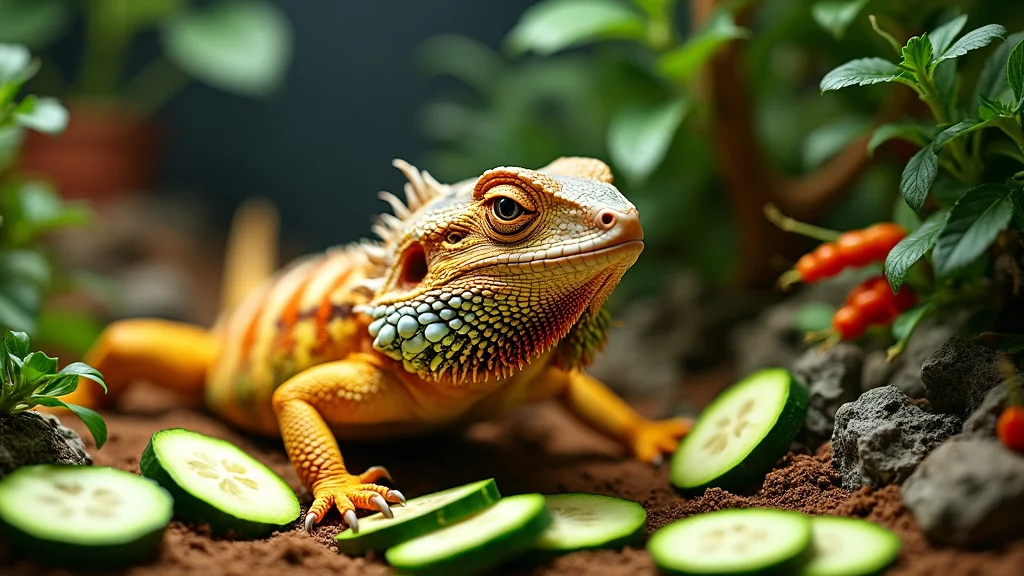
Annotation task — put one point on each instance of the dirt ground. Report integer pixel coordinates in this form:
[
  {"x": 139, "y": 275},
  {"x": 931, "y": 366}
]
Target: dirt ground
[{"x": 540, "y": 450}]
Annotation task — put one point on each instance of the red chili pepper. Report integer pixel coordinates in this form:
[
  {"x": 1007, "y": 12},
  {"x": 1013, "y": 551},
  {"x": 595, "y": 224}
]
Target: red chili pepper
[
  {"x": 851, "y": 250},
  {"x": 1010, "y": 428},
  {"x": 849, "y": 323},
  {"x": 870, "y": 303}
]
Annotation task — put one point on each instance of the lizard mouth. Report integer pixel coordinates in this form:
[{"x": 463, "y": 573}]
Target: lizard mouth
[{"x": 573, "y": 257}]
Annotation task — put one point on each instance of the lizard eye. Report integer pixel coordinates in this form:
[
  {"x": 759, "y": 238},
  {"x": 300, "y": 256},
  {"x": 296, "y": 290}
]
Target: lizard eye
[{"x": 507, "y": 209}]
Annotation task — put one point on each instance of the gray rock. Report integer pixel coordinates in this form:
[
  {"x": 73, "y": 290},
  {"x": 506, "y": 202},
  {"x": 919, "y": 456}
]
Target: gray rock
[
  {"x": 881, "y": 437},
  {"x": 35, "y": 438},
  {"x": 958, "y": 375},
  {"x": 833, "y": 378},
  {"x": 926, "y": 340},
  {"x": 982, "y": 422},
  {"x": 968, "y": 492}
]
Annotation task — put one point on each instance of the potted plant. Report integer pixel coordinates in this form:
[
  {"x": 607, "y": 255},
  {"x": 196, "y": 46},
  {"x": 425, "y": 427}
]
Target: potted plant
[{"x": 111, "y": 144}]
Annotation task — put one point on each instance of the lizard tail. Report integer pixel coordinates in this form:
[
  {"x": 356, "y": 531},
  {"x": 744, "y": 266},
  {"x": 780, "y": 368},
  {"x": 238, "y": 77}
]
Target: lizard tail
[{"x": 251, "y": 251}]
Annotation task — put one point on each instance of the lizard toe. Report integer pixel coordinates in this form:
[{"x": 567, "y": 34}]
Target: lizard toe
[{"x": 652, "y": 439}]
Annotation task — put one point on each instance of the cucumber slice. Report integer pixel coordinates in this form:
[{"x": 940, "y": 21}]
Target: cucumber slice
[
  {"x": 83, "y": 516},
  {"x": 744, "y": 541},
  {"x": 850, "y": 547},
  {"x": 213, "y": 481},
  {"x": 419, "y": 516},
  {"x": 590, "y": 522},
  {"x": 742, "y": 433},
  {"x": 478, "y": 543}
]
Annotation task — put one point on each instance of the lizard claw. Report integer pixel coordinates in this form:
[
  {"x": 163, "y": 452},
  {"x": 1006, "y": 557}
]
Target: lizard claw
[
  {"x": 309, "y": 523},
  {"x": 350, "y": 519},
  {"x": 396, "y": 497},
  {"x": 382, "y": 505}
]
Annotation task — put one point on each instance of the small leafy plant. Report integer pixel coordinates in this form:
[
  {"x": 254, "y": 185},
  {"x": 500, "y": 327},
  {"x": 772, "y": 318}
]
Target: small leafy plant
[
  {"x": 965, "y": 186},
  {"x": 29, "y": 379}
]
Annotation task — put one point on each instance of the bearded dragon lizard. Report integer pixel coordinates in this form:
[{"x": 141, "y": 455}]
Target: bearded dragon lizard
[{"x": 479, "y": 297}]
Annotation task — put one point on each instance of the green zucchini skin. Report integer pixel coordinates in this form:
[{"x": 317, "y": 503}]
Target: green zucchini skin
[
  {"x": 763, "y": 458},
  {"x": 488, "y": 555},
  {"x": 191, "y": 509},
  {"x": 142, "y": 550},
  {"x": 407, "y": 530}
]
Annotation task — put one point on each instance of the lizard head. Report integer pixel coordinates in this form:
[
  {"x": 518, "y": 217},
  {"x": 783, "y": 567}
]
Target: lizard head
[{"x": 484, "y": 275}]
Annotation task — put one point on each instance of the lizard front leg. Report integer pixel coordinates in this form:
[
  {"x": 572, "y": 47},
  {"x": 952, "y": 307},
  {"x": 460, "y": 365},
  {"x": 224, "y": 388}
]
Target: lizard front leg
[
  {"x": 346, "y": 392},
  {"x": 597, "y": 406}
]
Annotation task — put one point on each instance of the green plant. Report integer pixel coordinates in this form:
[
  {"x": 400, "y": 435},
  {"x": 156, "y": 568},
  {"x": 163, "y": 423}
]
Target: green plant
[
  {"x": 965, "y": 185},
  {"x": 29, "y": 379},
  {"x": 241, "y": 46},
  {"x": 28, "y": 208}
]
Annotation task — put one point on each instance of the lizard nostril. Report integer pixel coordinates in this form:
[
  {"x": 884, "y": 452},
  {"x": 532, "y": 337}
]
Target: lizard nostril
[{"x": 606, "y": 219}]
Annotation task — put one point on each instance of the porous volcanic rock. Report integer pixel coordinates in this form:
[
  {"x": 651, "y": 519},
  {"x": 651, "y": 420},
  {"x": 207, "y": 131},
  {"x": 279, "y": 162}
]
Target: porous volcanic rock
[
  {"x": 881, "y": 437},
  {"x": 34, "y": 438},
  {"x": 957, "y": 377},
  {"x": 833, "y": 378},
  {"x": 968, "y": 492}
]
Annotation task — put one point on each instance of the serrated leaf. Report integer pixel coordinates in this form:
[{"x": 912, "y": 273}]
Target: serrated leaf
[
  {"x": 977, "y": 38},
  {"x": 41, "y": 114},
  {"x": 17, "y": 344},
  {"x": 554, "y": 25},
  {"x": 835, "y": 16},
  {"x": 912, "y": 248},
  {"x": 918, "y": 176},
  {"x": 943, "y": 36},
  {"x": 974, "y": 222},
  {"x": 1015, "y": 71},
  {"x": 920, "y": 134},
  {"x": 93, "y": 421},
  {"x": 992, "y": 81},
  {"x": 639, "y": 136},
  {"x": 917, "y": 54},
  {"x": 860, "y": 72},
  {"x": 682, "y": 62}
]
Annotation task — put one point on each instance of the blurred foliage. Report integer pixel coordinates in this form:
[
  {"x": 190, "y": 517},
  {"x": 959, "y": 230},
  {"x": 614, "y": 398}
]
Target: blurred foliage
[
  {"x": 632, "y": 95},
  {"x": 241, "y": 46},
  {"x": 28, "y": 208}
]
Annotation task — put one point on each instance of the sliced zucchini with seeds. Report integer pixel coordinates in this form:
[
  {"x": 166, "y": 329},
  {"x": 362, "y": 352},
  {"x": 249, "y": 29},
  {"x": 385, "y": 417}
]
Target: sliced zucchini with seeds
[
  {"x": 419, "y": 516},
  {"x": 590, "y": 522},
  {"x": 213, "y": 481},
  {"x": 744, "y": 541},
  {"x": 478, "y": 543},
  {"x": 850, "y": 547},
  {"x": 742, "y": 434},
  {"x": 83, "y": 516}
]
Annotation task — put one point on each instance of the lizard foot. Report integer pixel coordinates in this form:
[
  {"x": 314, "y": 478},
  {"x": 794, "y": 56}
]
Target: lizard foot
[
  {"x": 650, "y": 440},
  {"x": 348, "y": 493}
]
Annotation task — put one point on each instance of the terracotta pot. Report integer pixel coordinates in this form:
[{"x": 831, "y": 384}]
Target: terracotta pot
[{"x": 106, "y": 152}]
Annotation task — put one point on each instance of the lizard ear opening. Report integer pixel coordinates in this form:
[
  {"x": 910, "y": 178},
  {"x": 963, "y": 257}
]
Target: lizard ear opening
[{"x": 414, "y": 266}]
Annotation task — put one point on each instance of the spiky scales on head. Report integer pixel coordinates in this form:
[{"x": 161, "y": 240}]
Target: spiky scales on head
[{"x": 484, "y": 276}]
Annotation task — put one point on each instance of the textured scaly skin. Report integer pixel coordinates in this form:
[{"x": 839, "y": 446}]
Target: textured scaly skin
[{"x": 458, "y": 314}]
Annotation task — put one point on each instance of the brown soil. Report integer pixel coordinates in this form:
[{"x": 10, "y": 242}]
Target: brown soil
[{"x": 541, "y": 450}]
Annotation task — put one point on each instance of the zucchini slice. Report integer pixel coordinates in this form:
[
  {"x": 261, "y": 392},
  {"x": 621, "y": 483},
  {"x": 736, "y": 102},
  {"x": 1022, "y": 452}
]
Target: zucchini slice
[
  {"x": 738, "y": 541},
  {"x": 213, "y": 481},
  {"x": 83, "y": 516},
  {"x": 742, "y": 433},
  {"x": 850, "y": 547},
  {"x": 419, "y": 516},
  {"x": 478, "y": 543},
  {"x": 591, "y": 522}
]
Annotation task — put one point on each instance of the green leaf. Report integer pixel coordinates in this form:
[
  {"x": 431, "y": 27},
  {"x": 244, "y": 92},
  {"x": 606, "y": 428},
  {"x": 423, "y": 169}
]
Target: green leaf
[
  {"x": 655, "y": 8},
  {"x": 943, "y": 36},
  {"x": 93, "y": 421},
  {"x": 912, "y": 248},
  {"x": 42, "y": 210},
  {"x": 26, "y": 265},
  {"x": 682, "y": 62},
  {"x": 81, "y": 369},
  {"x": 974, "y": 222},
  {"x": 977, "y": 38},
  {"x": 554, "y": 25},
  {"x": 241, "y": 47},
  {"x": 917, "y": 54},
  {"x": 59, "y": 386},
  {"x": 860, "y": 72},
  {"x": 639, "y": 136},
  {"x": 15, "y": 63},
  {"x": 37, "y": 365},
  {"x": 835, "y": 16},
  {"x": 918, "y": 176},
  {"x": 945, "y": 79},
  {"x": 1015, "y": 71},
  {"x": 17, "y": 344},
  {"x": 920, "y": 134},
  {"x": 42, "y": 114},
  {"x": 992, "y": 81},
  {"x": 35, "y": 23},
  {"x": 991, "y": 109}
]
